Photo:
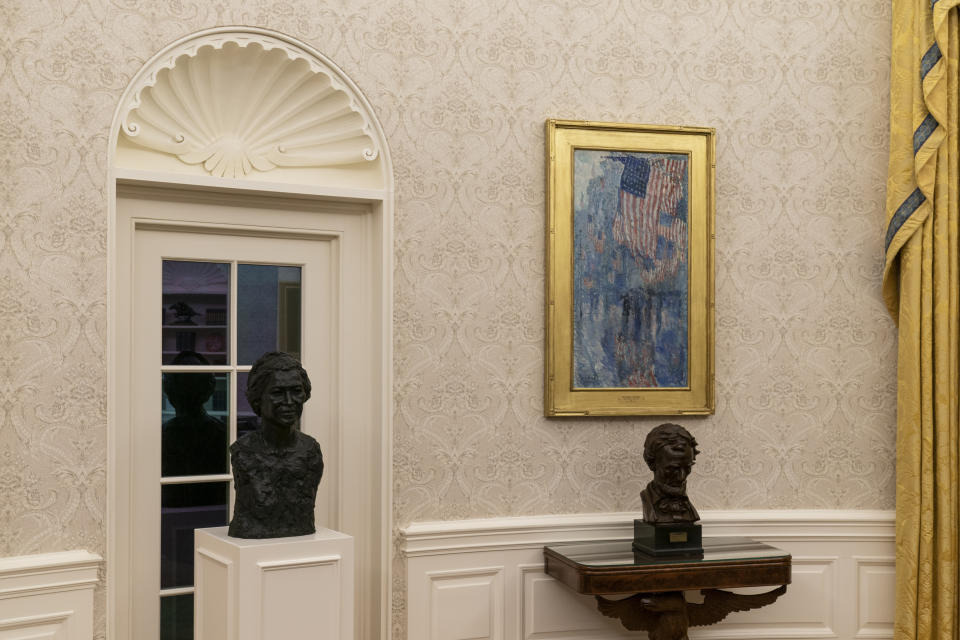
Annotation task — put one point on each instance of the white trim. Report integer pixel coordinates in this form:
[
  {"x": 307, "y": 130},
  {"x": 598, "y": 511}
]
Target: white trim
[
  {"x": 209, "y": 123},
  {"x": 200, "y": 591},
  {"x": 830, "y": 595},
  {"x": 35, "y": 621},
  {"x": 49, "y": 595},
  {"x": 318, "y": 561},
  {"x": 57, "y": 560},
  {"x": 48, "y": 572},
  {"x": 188, "y": 182},
  {"x": 248, "y": 230},
  {"x": 486, "y": 534},
  {"x": 495, "y": 593},
  {"x": 381, "y": 201}
]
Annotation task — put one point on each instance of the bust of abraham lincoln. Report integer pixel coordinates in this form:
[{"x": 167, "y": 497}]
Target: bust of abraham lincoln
[
  {"x": 669, "y": 451},
  {"x": 277, "y": 468}
]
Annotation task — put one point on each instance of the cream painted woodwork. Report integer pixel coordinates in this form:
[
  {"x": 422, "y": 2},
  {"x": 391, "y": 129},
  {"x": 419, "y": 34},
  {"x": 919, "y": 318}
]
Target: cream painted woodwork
[
  {"x": 318, "y": 258},
  {"x": 251, "y": 186},
  {"x": 805, "y": 348},
  {"x": 48, "y": 595},
  {"x": 331, "y": 243},
  {"x": 288, "y": 588},
  {"x": 232, "y": 102},
  {"x": 484, "y": 579},
  {"x": 258, "y": 110}
]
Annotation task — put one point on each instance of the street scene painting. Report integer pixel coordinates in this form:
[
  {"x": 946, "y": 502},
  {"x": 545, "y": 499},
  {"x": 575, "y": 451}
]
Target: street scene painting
[{"x": 630, "y": 269}]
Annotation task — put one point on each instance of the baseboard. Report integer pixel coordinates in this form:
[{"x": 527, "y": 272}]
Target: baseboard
[{"x": 484, "y": 578}]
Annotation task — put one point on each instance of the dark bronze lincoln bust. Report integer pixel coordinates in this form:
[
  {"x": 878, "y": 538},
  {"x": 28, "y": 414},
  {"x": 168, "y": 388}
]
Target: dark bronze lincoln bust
[
  {"x": 669, "y": 451},
  {"x": 276, "y": 469}
]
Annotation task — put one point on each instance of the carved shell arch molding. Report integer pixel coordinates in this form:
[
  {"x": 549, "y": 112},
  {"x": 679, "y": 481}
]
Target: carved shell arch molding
[{"x": 239, "y": 100}]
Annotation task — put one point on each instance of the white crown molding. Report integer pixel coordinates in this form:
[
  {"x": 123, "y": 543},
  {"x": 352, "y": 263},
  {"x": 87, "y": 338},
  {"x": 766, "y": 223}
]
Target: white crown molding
[
  {"x": 491, "y": 534},
  {"x": 242, "y": 98}
]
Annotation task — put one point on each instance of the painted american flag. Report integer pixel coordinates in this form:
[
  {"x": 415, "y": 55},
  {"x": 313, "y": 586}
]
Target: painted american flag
[
  {"x": 647, "y": 189},
  {"x": 675, "y": 233}
]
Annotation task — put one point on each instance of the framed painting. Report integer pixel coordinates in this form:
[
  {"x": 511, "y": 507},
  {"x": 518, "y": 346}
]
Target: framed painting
[{"x": 629, "y": 286}]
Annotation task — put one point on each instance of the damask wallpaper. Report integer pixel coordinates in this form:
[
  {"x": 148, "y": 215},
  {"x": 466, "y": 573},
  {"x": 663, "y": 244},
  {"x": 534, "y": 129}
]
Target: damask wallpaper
[{"x": 805, "y": 350}]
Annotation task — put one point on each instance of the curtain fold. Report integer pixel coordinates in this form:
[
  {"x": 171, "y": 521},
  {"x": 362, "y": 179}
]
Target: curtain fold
[{"x": 921, "y": 287}]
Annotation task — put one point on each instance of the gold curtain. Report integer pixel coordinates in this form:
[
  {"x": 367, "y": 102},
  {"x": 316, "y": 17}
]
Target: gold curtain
[{"x": 922, "y": 288}]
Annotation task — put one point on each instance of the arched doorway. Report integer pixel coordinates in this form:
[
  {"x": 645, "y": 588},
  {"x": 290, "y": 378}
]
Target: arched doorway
[{"x": 238, "y": 151}]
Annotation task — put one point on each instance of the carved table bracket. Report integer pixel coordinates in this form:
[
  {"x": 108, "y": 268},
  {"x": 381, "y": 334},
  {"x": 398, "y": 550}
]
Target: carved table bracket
[{"x": 667, "y": 615}]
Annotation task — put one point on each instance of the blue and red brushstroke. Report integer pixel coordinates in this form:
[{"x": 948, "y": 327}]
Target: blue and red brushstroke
[{"x": 630, "y": 270}]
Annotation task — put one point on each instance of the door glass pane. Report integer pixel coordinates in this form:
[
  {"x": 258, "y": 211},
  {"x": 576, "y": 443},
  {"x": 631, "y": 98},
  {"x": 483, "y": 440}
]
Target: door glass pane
[
  {"x": 187, "y": 507},
  {"x": 176, "y": 617},
  {"x": 268, "y": 311},
  {"x": 195, "y": 417},
  {"x": 247, "y": 420},
  {"x": 196, "y": 301}
]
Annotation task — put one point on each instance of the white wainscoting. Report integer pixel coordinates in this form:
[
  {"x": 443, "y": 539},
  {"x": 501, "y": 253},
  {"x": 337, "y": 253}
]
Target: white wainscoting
[
  {"x": 48, "y": 596},
  {"x": 484, "y": 580}
]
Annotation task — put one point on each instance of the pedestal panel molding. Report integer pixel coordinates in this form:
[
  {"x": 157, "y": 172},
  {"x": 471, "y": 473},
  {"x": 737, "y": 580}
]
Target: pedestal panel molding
[
  {"x": 274, "y": 587},
  {"x": 213, "y": 628}
]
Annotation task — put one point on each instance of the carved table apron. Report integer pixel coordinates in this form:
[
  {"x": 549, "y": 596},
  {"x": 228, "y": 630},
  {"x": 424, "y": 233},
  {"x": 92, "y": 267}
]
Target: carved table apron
[{"x": 658, "y": 606}]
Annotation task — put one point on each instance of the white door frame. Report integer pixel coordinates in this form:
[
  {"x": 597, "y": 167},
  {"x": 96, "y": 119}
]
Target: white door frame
[{"x": 167, "y": 177}]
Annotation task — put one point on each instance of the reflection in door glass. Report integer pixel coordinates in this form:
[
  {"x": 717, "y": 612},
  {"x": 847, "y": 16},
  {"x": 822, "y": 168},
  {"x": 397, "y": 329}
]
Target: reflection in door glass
[
  {"x": 195, "y": 417},
  {"x": 187, "y": 507},
  {"x": 176, "y": 617},
  {"x": 268, "y": 311},
  {"x": 196, "y": 301}
]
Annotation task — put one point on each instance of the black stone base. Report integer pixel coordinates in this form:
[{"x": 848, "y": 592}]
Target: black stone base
[{"x": 663, "y": 540}]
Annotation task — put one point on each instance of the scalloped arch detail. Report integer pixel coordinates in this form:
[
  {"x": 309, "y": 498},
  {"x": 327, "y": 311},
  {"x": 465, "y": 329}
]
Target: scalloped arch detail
[{"x": 236, "y": 102}]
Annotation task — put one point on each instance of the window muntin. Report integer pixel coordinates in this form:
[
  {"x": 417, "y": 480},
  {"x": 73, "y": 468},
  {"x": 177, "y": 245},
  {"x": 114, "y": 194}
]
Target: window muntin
[{"x": 204, "y": 405}]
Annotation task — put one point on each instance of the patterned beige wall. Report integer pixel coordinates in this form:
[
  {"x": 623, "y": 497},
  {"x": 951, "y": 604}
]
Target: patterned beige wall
[{"x": 805, "y": 351}]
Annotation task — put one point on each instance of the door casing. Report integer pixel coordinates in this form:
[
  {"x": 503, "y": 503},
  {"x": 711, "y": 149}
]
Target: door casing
[{"x": 177, "y": 223}]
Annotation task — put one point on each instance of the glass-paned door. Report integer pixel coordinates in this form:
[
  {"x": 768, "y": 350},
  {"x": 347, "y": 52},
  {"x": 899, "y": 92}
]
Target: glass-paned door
[{"x": 207, "y": 306}]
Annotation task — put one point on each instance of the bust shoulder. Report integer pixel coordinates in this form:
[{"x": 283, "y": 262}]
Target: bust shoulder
[
  {"x": 306, "y": 441},
  {"x": 308, "y": 450},
  {"x": 250, "y": 441},
  {"x": 253, "y": 442}
]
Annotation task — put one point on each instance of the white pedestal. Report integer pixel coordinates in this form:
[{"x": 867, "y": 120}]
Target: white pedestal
[{"x": 290, "y": 588}]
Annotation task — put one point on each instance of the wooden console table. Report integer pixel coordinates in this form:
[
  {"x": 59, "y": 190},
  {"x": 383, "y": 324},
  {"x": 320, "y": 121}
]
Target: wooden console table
[{"x": 658, "y": 606}]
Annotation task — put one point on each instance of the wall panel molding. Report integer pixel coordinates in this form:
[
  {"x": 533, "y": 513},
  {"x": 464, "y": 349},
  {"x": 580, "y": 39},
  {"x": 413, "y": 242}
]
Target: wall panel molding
[
  {"x": 842, "y": 567},
  {"x": 466, "y": 604},
  {"x": 48, "y": 595},
  {"x": 876, "y": 577}
]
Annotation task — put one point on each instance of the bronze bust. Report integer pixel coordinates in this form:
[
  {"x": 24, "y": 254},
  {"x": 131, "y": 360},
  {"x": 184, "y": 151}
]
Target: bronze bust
[
  {"x": 669, "y": 451},
  {"x": 276, "y": 469}
]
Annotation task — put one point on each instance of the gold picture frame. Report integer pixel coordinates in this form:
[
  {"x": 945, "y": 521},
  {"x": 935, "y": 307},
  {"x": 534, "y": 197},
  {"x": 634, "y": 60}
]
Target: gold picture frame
[{"x": 629, "y": 269}]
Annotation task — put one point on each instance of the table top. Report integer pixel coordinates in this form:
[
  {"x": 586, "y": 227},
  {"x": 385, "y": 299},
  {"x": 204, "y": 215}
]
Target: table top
[{"x": 609, "y": 567}]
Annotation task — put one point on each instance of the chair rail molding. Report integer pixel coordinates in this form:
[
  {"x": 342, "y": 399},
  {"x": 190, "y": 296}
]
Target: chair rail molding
[
  {"x": 843, "y": 576},
  {"x": 237, "y": 100},
  {"x": 48, "y": 595}
]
